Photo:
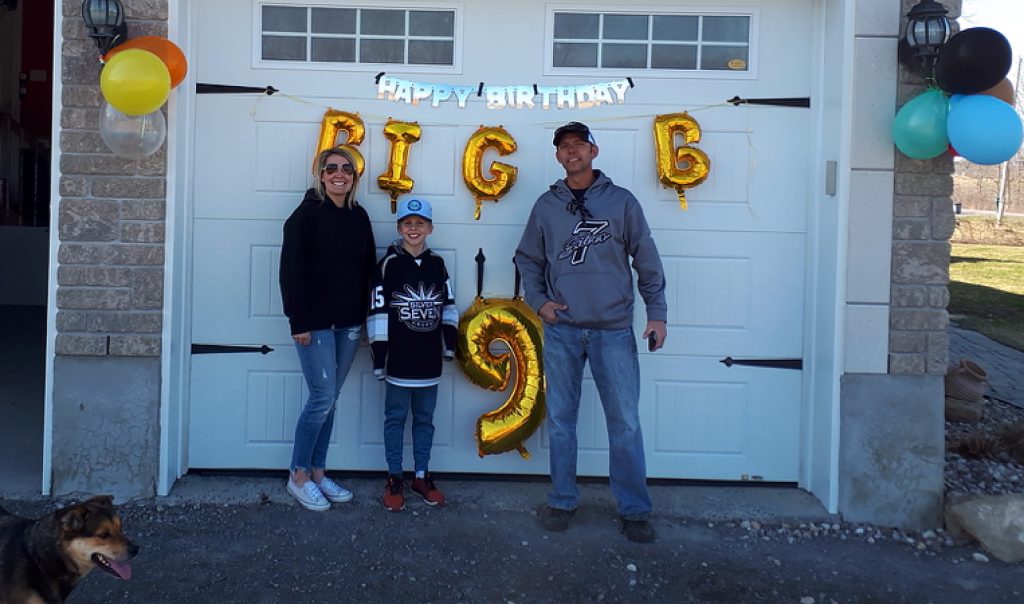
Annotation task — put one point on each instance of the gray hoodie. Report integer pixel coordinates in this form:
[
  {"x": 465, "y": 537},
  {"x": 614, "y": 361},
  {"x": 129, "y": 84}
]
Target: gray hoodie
[{"x": 579, "y": 255}]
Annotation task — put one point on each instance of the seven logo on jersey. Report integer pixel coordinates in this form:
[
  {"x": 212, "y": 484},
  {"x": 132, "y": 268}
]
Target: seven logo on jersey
[
  {"x": 419, "y": 309},
  {"x": 587, "y": 232}
]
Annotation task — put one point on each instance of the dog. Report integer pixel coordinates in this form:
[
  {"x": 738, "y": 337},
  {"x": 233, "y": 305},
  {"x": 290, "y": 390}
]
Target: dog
[{"x": 41, "y": 561}]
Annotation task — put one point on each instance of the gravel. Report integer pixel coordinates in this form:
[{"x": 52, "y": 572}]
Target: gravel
[{"x": 972, "y": 475}]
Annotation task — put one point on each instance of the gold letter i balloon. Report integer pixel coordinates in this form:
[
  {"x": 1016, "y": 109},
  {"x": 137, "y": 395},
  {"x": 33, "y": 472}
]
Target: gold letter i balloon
[
  {"x": 335, "y": 121},
  {"x": 514, "y": 323},
  {"x": 395, "y": 179},
  {"x": 698, "y": 166},
  {"x": 503, "y": 175}
]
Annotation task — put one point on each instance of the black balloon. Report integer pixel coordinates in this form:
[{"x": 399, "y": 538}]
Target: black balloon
[{"x": 973, "y": 60}]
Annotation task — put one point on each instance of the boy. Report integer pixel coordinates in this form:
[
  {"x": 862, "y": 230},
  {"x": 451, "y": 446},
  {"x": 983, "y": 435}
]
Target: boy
[{"x": 412, "y": 325}]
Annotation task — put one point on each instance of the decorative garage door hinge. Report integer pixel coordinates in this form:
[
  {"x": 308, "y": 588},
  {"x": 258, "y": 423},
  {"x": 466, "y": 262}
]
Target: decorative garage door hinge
[
  {"x": 227, "y": 89},
  {"x": 774, "y": 363},
  {"x": 224, "y": 349},
  {"x": 787, "y": 102}
]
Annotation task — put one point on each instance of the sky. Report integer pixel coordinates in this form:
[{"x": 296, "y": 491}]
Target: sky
[{"x": 1004, "y": 16}]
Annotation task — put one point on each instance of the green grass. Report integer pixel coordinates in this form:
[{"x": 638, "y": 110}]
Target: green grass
[{"x": 986, "y": 290}]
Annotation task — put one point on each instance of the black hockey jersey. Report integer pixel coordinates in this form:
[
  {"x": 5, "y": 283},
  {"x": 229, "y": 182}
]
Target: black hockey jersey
[{"x": 413, "y": 321}]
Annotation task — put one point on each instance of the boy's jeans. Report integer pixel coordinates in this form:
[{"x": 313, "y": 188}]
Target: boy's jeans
[
  {"x": 613, "y": 363},
  {"x": 325, "y": 363},
  {"x": 397, "y": 403}
]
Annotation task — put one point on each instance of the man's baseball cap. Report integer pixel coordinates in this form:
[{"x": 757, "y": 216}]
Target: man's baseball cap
[
  {"x": 415, "y": 207},
  {"x": 574, "y": 128}
]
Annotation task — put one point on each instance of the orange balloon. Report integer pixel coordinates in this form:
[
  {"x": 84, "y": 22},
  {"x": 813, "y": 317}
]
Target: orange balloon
[
  {"x": 168, "y": 52},
  {"x": 1002, "y": 91}
]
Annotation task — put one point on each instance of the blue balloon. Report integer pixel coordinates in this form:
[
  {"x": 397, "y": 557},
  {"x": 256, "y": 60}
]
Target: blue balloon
[
  {"x": 919, "y": 129},
  {"x": 984, "y": 130}
]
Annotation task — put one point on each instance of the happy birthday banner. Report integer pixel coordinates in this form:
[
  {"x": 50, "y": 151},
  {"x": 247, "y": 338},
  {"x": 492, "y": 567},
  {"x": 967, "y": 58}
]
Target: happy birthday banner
[{"x": 582, "y": 96}]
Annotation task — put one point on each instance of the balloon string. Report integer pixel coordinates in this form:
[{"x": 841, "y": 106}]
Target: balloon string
[{"x": 752, "y": 169}]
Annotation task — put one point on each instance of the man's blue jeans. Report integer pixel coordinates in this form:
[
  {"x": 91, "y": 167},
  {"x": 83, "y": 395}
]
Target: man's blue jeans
[
  {"x": 397, "y": 402},
  {"x": 612, "y": 354},
  {"x": 325, "y": 363}
]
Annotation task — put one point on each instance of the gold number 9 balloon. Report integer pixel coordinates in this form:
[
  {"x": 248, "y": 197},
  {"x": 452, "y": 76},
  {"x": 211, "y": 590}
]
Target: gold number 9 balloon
[
  {"x": 513, "y": 322},
  {"x": 335, "y": 121},
  {"x": 503, "y": 175},
  {"x": 395, "y": 179},
  {"x": 698, "y": 165}
]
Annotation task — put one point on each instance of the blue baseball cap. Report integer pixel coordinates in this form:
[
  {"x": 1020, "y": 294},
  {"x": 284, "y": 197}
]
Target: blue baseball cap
[{"x": 415, "y": 207}]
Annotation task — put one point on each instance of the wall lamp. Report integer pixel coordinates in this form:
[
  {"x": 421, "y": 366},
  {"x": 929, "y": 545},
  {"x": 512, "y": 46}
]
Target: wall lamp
[
  {"x": 927, "y": 30},
  {"x": 105, "y": 20}
]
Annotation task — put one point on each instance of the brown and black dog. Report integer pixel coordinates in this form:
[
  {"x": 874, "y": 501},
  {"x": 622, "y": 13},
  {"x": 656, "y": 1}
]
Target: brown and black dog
[{"x": 43, "y": 560}]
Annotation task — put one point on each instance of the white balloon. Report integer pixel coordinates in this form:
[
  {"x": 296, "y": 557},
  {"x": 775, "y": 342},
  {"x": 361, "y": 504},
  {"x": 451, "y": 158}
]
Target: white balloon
[{"x": 132, "y": 136}]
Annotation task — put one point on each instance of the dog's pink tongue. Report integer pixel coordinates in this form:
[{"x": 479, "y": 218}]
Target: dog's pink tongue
[{"x": 123, "y": 569}]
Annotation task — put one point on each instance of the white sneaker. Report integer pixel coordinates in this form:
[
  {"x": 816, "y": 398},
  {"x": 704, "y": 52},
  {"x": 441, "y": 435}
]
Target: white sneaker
[
  {"x": 334, "y": 491},
  {"x": 309, "y": 496}
]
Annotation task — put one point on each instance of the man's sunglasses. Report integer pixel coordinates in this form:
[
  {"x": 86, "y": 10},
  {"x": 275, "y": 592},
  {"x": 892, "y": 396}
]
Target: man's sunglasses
[{"x": 346, "y": 168}]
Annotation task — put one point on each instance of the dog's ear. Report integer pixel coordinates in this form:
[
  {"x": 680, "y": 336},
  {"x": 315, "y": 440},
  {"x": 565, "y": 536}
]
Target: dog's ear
[
  {"x": 103, "y": 501},
  {"x": 71, "y": 519}
]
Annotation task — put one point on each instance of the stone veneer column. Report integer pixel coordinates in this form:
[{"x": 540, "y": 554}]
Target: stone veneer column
[
  {"x": 110, "y": 278},
  {"x": 923, "y": 223}
]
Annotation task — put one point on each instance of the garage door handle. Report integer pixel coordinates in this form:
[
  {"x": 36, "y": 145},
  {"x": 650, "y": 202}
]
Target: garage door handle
[
  {"x": 223, "y": 349},
  {"x": 775, "y": 363}
]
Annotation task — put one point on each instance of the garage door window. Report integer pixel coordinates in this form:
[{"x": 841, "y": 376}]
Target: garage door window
[
  {"x": 318, "y": 34},
  {"x": 689, "y": 42}
]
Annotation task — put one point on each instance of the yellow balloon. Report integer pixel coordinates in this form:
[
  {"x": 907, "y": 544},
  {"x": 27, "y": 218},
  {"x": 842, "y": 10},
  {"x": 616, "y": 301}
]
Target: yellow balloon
[
  {"x": 395, "y": 180},
  {"x": 697, "y": 164},
  {"x": 135, "y": 82},
  {"x": 503, "y": 176},
  {"x": 335, "y": 121},
  {"x": 513, "y": 322}
]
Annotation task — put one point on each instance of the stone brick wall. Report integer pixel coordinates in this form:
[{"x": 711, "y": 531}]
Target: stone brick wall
[
  {"x": 923, "y": 222},
  {"x": 111, "y": 210}
]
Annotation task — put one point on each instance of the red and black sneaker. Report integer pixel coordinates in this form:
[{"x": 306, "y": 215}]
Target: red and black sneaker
[
  {"x": 426, "y": 489},
  {"x": 394, "y": 500}
]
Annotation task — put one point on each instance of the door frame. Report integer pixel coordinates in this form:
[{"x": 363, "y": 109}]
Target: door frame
[{"x": 825, "y": 273}]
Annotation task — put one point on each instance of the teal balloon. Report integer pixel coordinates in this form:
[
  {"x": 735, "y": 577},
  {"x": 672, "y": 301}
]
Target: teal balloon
[{"x": 919, "y": 130}]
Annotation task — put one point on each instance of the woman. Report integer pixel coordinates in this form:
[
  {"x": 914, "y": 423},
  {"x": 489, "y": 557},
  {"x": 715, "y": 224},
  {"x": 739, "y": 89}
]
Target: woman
[{"x": 327, "y": 258}]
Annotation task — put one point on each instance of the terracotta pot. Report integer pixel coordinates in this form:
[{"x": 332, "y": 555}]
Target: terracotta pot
[{"x": 965, "y": 381}]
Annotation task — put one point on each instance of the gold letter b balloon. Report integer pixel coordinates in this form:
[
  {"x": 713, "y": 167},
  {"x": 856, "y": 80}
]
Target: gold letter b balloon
[
  {"x": 504, "y": 175},
  {"x": 514, "y": 323},
  {"x": 698, "y": 166}
]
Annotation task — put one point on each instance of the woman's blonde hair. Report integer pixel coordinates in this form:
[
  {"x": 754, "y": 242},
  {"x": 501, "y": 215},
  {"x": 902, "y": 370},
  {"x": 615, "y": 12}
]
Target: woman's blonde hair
[{"x": 321, "y": 163}]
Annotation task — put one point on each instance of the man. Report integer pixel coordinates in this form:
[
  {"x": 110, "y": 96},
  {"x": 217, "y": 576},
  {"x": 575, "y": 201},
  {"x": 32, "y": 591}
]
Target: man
[{"x": 574, "y": 257}]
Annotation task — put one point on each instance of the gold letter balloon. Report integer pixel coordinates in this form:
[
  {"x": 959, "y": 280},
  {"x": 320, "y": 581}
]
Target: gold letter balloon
[
  {"x": 503, "y": 176},
  {"x": 335, "y": 121},
  {"x": 514, "y": 323},
  {"x": 669, "y": 158},
  {"x": 395, "y": 180}
]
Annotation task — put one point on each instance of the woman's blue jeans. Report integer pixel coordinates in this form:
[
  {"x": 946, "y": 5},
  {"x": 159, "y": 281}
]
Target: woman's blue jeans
[
  {"x": 397, "y": 403},
  {"x": 325, "y": 363},
  {"x": 612, "y": 354}
]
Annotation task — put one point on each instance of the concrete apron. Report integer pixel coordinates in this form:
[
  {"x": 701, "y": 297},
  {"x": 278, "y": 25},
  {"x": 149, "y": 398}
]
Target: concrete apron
[{"x": 706, "y": 503}]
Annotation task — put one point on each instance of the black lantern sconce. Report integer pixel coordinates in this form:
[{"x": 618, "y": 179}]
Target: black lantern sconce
[
  {"x": 105, "y": 20},
  {"x": 927, "y": 30}
]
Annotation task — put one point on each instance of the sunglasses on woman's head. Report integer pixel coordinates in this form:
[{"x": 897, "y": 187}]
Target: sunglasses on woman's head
[{"x": 346, "y": 168}]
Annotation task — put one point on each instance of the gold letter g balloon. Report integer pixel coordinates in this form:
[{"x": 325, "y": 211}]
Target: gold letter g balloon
[{"x": 504, "y": 175}]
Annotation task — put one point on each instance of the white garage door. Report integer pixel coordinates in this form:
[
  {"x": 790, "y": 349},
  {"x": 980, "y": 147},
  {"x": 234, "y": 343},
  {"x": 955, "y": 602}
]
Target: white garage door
[{"x": 735, "y": 260}]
